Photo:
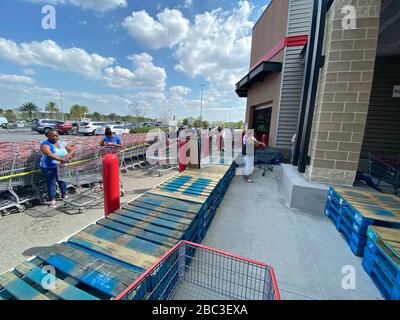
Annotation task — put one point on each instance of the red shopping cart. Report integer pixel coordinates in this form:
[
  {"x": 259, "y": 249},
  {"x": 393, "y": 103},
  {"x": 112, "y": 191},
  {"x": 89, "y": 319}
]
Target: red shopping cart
[{"x": 190, "y": 271}]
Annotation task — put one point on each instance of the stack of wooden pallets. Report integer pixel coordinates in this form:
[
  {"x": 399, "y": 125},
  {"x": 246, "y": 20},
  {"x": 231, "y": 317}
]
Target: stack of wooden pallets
[
  {"x": 354, "y": 210},
  {"x": 102, "y": 260},
  {"x": 382, "y": 260}
]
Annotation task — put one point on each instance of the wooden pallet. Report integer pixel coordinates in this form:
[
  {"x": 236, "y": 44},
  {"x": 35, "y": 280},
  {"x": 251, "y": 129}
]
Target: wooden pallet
[
  {"x": 382, "y": 260},
  {"x": 102, "y": 260},
  {"x": 354, "y": 210},
  {"x": 370, "y": 205}
]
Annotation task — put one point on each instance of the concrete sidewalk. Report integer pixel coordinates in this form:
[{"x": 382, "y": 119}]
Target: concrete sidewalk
[
  {"x": 22, "y": 235},
  {"x": 306, "y": 250}
]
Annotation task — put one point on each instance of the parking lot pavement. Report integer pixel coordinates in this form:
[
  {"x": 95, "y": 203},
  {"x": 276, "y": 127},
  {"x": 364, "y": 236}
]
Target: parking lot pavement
[
  {"x": 14, "y": 135},
  {"x": 22, "y": 235}
]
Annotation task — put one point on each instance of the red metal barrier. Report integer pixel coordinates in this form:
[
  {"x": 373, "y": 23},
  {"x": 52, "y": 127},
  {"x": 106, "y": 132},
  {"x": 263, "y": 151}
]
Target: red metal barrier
[
  {"x": 111, "y": 185},
  {"x": 182, "y": 155}
]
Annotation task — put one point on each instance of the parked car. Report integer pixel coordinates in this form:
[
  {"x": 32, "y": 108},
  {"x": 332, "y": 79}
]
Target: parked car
[
  {"x": 117, "y": 129},
  {"x": 65, "y": 128},
  {"x": 133, "y": 126},
  {"x": 45, "y": 125},
  {"x": 3, "y": 122},
  {"x": 20, "y": 123},
  {"x": 88, "y": 128}
]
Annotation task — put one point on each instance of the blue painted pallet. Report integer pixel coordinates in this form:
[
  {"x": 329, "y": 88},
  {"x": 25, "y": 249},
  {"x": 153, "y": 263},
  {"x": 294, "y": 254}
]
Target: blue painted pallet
[
  {"x": 375, "y": 266},
  {"x": 356, "y": 242},
  {"x": 147, "y": 226},
  {"x": 368, "y": 208}
]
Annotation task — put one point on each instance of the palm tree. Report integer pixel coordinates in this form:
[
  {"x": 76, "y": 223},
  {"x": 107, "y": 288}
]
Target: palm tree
[
  {"x": 78, "y": 111},
  {"x": 29, "y": 107},
  {"x": 52, "y": 107}
]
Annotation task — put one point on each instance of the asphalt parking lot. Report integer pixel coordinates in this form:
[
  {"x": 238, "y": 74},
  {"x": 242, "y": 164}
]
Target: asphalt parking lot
[{"x": 14, "y": 135}]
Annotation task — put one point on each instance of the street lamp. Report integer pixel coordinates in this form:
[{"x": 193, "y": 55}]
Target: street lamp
[
  {"x": 201, "y": 100},
  {"x": 62, "y": 113}
]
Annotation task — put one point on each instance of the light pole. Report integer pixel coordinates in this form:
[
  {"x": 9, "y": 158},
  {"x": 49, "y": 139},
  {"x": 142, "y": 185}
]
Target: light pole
[
  {"x": 201, "y": 100},
  {"x": 62, "y": 113}
]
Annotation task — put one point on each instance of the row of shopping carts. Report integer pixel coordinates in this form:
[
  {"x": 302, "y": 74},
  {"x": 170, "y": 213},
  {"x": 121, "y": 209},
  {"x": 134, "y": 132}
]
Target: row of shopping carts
[
  {"x": 19, "y": 177},
  {"x": 386, "y": 168},
  {"x": 21, "y": 184}
]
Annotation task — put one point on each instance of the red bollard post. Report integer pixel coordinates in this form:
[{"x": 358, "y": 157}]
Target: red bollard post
[
  {"x": 182, "y": 155},
  {"x": 111, "y": 185}
]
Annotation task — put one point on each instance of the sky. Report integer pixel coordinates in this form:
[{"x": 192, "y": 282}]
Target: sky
[{"x": 115, "y": 55}]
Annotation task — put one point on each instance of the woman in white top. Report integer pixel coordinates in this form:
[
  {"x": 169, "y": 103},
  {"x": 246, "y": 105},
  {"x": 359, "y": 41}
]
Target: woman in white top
[{"x": 249, "y": 141}]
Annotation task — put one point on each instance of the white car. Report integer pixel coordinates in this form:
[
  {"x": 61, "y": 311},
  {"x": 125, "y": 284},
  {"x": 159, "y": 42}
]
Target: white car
[
  {"x": 117, "y": 129},
  {"x": 3, "y": 122},
  {"x": 87, "y": 128}
]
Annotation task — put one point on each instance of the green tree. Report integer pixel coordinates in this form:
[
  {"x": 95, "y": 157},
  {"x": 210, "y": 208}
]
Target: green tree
[
  {"x": 10, "y": 115},
  {"x": 1, "y": 111},
  {"x": 185, "y": 122},
  {"x": 198, "y": 123},
  {"x": 29, "y": 107},
  {"x": 205, "y": 124},
  {"x": 52, "y": 107},
  {"x": 77, "y": 111},
  {"x": 113, "y": 116},
  {"x": 128, "y": 119},
  {"x": 96, "y": 116}
]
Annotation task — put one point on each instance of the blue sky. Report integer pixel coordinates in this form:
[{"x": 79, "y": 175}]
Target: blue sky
[{"x": 112, "y": 55}]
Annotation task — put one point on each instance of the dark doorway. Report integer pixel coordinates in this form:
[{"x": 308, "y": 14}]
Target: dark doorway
[{"x": 262, "y": 122}]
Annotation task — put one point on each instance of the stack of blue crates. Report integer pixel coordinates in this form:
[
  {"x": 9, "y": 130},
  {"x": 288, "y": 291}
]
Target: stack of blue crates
[
  {"x": 354, "y": 210},
  {"x": 382, "y": 260}
]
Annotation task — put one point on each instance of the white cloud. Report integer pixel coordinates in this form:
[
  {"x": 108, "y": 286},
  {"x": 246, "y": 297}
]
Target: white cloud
[
  {"x": 96, "y": 5},
  {"x": 148, "y": 76},
  {"x": 217, "y": 46},
  {"x": 144, "y": 75},
  {"x": 13, "y": 95},
  {"x": 14, "y": 78},
  {"x": 180, "y": 90},
  {"x": 188, "y": 3},
  {"x": 170, "y": 28},
  {"x": 118, "y": 77},
  {"x": 50, "y": 54},
  {"x": 29, "y": 72}
]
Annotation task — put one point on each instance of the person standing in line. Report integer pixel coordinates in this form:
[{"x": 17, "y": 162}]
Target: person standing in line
[
  {"x": 53, "y": 153},
  {"x": 249, "y": 142},
  {"x": 293, "y": 142}
]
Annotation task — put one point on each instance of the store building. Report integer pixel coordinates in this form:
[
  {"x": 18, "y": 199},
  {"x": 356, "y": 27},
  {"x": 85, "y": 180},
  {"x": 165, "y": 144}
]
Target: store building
[{"x": 329, "y": 76}]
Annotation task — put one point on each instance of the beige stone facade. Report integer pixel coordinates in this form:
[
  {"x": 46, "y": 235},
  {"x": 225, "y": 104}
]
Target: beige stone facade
[{"x": 343, "y": 94}]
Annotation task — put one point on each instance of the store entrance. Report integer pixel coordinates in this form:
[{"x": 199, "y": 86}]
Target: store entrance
[{"x": 262, "y": 121}]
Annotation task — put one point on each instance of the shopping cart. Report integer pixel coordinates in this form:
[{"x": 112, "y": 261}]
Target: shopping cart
[
  {"x": 80, "y": 173},
  {"x": 161, "y": 160},
  {"x": 266, "y": 157},
  {"x": 134, "y": 151},
  {"x": 385, "y": 168},
  {"x": 17, "y": 169},
  {"x": 190, "y": 271}
]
